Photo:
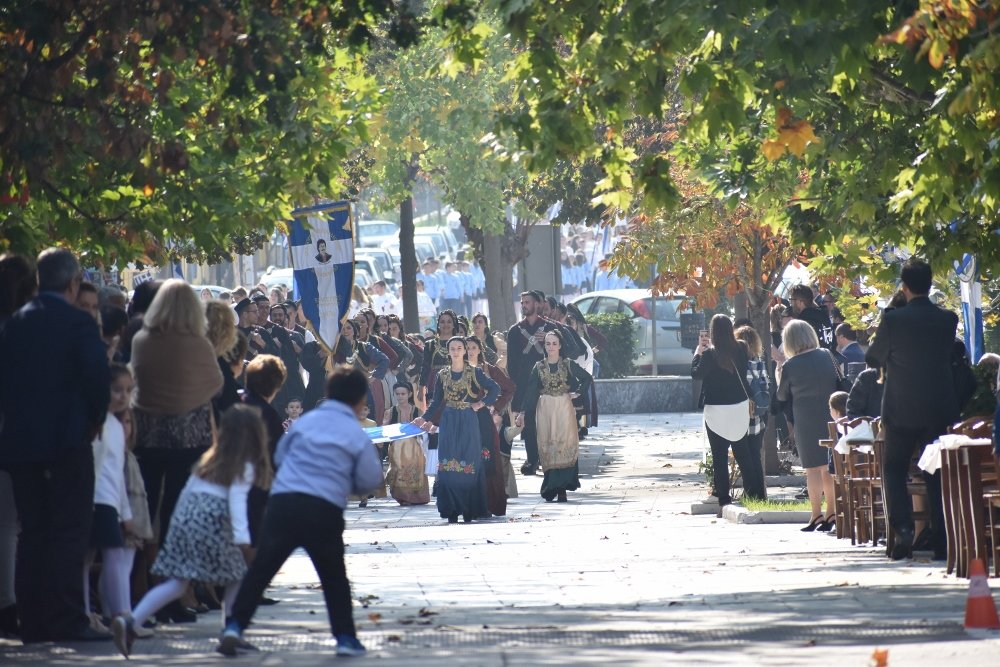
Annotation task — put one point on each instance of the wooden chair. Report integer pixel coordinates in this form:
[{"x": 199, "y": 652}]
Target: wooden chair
[
  {"x": 973, "y": 483},
  {"x": 993, "y": 519},
  {"x": 863, "y": 485}
]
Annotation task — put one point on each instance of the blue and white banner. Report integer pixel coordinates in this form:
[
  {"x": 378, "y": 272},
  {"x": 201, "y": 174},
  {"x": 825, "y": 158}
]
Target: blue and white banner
[
  {"x": 972, "y": 305},
  {"x": 321, "y": 242},
  {"x": 391, "y": 432}
]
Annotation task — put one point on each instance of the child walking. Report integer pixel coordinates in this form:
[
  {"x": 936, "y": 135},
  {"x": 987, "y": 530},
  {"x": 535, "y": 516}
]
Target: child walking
[
  {"x": 323, "y": 458},
  {"x": 209, "y": 538},
  {"x": 112, "y": 512},
  {"x": 141, "y": 533}
]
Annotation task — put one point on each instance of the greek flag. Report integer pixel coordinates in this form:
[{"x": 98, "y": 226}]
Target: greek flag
[
  {"x": 321, "y": 242},
  {"x": 392, "y": 432},
  {"x": 972, "y": 305}
]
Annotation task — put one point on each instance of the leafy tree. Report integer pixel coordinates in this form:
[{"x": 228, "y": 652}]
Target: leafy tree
[
  {"x": 876, "y": 118},
  {"x": 138, "y": 129}
]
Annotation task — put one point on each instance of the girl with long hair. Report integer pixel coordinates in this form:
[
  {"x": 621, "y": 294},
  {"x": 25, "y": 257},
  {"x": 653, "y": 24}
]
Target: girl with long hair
[
  {"x": 407, "y": 476},
  {"x": 209, "y": 539},
  {"x": 460, "y": 391},
  {"x": 490, "y": 421}
]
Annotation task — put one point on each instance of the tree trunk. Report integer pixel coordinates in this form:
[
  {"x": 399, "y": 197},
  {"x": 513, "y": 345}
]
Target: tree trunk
[
  {"x": 408, "y": 255},
  {"x": 499, "y": 283}
]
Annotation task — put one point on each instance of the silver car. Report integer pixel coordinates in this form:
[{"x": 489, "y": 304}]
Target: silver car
[{"x": 671, "y": 358}]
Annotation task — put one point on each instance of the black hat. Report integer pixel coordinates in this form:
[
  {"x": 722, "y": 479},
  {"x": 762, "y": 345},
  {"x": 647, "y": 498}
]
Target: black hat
[{"x": 241, "y": 305}]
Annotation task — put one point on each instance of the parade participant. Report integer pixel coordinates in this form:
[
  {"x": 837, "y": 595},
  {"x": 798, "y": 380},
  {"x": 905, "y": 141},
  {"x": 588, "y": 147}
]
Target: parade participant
[
  {"x": 112, "y": 511},
  {"x": 481, "y": 330},
  {"x": 407, "y": 477},
  {"x": 524, "y": 350},
  {"x": 290, "y": 345},
  {"x": 321, "y": 460},
  {"x": 257, "y": 338},
  {"x": 383, "y": 301},
  {"x": 425, "y": 305},
  {"x": 412, "y": 370},
  {"x": 381, "y": 384},
  {"x": 210, "y": 540},
  {"x": 141, "y": 532},
  {"x": 555, "y": 382},
  {"x": 436, "y": 353},
  {"x": 402, "y": 350},
  {"x": 50, "y": 411},
  {"x": 490, "y": 421},
  {"x": 461, "y": 478},
  {"x": 366, "y": 358},
  {"x": 314, "y": 356},
  {"x": 588, "y": 417}
]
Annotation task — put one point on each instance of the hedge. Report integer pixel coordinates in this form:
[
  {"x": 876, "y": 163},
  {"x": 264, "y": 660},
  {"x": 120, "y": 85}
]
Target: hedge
[{"x": 618, "y": 359}]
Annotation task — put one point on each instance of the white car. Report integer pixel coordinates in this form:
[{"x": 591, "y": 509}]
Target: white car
[
  {"x": 372, "y": 233},
  {"x": 671, "y": 358}
]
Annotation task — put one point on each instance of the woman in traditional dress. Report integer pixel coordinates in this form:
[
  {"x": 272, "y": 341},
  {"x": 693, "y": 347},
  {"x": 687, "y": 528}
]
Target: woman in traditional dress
[
  {"x": 367, "y": 359},
  {"x": 481, "y": 330},
  {"x": 489, "y": 422},
  {"x": 412, "y": 370},
  {"x": 407, "y": 478},
  {"x": 381, "y": 389},
  {"x": 461, "y": 478},
  {"x": 554, "y": 384},
  {"x": 436, "y": 352},
  {"x": 588, "y": 413},
  {"x": 399, "y": 347}
]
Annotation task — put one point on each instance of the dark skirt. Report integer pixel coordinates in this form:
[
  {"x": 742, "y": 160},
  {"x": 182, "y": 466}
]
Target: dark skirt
[
  {"x": 560, "y": 479},
  {"x": 496, "y": 494},
  {"x": 106, "y": 528},
  {"x": 461, "y": 477}
]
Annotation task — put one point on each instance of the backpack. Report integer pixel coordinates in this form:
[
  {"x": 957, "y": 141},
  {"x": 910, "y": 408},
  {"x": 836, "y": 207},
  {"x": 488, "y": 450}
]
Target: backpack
[{"x": 760, "y": 396}]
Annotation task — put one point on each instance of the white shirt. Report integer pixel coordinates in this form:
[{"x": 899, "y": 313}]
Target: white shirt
[
  {"x": 385, "y": 304},
  {"x": 236, "y": 493},
  {"x": 425, "y": 307},
  {"x": 109, "y": 482}
]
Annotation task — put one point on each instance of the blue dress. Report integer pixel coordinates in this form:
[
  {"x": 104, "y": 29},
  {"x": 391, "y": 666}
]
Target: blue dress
[{"x": 461, "y": 472}]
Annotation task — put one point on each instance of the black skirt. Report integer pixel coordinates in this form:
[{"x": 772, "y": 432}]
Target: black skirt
[{"x": 106, "y": 528}]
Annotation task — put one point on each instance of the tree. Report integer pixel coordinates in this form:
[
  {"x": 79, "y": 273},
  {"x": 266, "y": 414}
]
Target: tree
[
  {"x": 137, "y": 130},
  {"x": 879, "y": 115}
]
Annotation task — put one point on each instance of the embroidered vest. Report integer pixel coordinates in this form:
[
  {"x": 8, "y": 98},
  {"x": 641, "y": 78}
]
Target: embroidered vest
[{"x": 554, "y": 383}]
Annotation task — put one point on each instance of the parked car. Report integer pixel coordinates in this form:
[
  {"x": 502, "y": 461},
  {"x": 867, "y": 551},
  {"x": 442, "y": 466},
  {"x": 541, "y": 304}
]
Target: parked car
[
  {"x": 372, "y": 233},
  {"x": 436, "y": 237},
  {"x": 274, "y": 277},
  {"x": 671, "y": 358},
  {"x": 383, "y": 260},
  {"x": 423, "y": 248},
  {"x": 369, "y": 264},
  {"x": 362, "y": 278},
  {"x": 443, "y": 232}
]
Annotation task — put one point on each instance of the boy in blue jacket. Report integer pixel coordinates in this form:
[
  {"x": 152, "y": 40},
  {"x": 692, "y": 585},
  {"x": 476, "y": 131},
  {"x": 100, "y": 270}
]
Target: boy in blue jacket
[{"x": 324, "y": 457}]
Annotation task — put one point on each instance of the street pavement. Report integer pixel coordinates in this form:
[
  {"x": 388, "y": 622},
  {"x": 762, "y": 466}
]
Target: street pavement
[{"x": 622, "y": 574}]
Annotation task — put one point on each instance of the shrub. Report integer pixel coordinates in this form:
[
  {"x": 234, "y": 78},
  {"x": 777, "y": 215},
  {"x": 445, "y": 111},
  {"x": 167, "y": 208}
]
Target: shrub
[{"x": 617, "y": 360}]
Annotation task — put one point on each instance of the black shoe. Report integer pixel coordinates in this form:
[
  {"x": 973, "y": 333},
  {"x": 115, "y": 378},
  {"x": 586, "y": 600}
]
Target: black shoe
[
  {"x": 904, "y": 545},
  {"x": 453, "y": 518},
  {"x": 267, "y": 602},
  {"x": 827, "y": 525},
  {"x": 175, "y": 612},
  {"x": 813, "y": 525},
  {"x": 561, "y": 498},
  {"x": 802, "y": 495},
  {"x": 466, "y": 518},
  {"x": 529, "y": 469}
]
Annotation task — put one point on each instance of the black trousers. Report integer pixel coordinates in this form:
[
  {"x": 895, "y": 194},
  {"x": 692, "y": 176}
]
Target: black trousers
[
  {"x": 901, "y": 444},
  {"x": 752, "y": 482},
  {"x": 530, "y": 435},
  {"x": 55, "y": 505},
  {"x": 294, "y": 520},
  {"x": 165, "y": 471}
]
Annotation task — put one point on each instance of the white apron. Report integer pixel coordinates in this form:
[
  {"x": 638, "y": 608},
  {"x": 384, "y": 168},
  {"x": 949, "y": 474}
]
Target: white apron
[{"x": 732, "y": 422}]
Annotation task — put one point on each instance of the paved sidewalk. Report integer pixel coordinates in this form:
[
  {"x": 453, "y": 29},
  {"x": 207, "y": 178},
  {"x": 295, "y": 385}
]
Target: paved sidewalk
[{"x": 622, "y": 573}]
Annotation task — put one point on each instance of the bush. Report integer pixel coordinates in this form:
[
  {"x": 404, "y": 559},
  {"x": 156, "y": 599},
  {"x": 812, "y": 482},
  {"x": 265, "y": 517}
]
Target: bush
[{"x": 617, "y": 360}]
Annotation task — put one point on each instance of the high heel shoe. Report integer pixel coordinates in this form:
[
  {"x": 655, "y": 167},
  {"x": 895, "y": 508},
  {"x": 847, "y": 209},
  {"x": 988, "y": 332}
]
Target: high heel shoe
[
  {"x": 813, "y": 524},
  {"x": 828, "y": 524}
]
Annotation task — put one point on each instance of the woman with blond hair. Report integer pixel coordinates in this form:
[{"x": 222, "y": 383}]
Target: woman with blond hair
[
  {"x": 808, "y": 377},
  {"x": 221, "y": 333},
  {"x": 176, "y": 376}
]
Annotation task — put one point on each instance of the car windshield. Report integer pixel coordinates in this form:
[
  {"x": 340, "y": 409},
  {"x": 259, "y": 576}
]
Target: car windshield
[
  {"x": 666, "y": 309},
  {"x": 377, "y": 228}
]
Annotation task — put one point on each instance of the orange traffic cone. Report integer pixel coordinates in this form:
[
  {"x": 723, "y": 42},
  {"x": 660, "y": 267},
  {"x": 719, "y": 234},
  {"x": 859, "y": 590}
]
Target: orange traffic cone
[{"x": 980, "y": 610}]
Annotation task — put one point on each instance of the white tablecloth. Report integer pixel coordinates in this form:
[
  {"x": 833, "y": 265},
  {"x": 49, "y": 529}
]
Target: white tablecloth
[
  {"x": 860, "y": 433},
  {"x": 930, "y": 460}
]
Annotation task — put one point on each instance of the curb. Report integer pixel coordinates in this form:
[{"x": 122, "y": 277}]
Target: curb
[{"x": 737, "y": 514}]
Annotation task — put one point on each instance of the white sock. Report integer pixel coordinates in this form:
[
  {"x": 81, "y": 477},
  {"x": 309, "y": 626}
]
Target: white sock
[
  {"x": 157, "y": 598},
  {"x": 229, "y": 599}
]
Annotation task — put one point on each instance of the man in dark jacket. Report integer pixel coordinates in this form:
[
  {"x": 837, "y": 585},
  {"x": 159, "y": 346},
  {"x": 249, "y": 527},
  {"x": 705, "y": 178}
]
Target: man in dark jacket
[
  {"x": 818, "y": 318},
  {"x": 54, "y": 394},
  {"x": 914, "y": 345}
]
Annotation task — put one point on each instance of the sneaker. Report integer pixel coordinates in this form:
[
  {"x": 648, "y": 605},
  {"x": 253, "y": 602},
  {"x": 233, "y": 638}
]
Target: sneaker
[
  {"x": 348, "y": 645},
  {"x": 230, "y": 639}
]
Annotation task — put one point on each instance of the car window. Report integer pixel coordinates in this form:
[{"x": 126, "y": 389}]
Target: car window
[
  {"x": 585, "y": 304},
  {"x": 607, "y": 304},
  {"x": 668, "y": 310},
  {"x": 440, "y": 247}
]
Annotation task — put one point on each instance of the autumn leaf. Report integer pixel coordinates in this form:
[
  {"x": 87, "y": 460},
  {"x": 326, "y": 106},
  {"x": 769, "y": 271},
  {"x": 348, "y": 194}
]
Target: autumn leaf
[
  {"x": 880, "y": 657},
  {"x": 773, "y": 149},
  {"x": 374, "y": 617},
  {"x": 148, "y": 190}
]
